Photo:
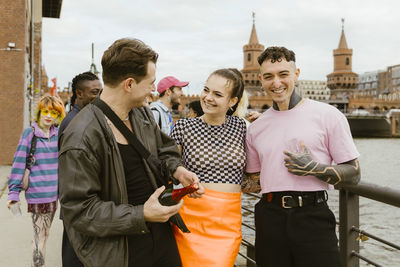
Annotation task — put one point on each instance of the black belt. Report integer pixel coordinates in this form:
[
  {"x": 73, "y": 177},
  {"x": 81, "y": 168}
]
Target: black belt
[{"x": 294, "y": 199}]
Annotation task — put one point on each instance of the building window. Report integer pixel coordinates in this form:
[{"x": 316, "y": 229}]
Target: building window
[
  {"x": 347, "y": 61},
  {"x": 248, "y": 57}
]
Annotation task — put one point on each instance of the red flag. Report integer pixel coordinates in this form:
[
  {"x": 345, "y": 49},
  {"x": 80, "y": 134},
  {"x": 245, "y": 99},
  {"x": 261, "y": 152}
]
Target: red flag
[{"x": 54, "y": 88}]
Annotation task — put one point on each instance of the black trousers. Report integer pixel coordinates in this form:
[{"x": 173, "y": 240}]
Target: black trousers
[
  {"x": 155, "y": 249},
  {"x": 69, "y": 258},
  {"x": 296, "y": 237}
]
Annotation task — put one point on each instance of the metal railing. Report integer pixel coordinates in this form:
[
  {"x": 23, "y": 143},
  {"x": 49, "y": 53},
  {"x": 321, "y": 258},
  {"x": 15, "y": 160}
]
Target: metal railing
[{"x": 350, "y": 233}]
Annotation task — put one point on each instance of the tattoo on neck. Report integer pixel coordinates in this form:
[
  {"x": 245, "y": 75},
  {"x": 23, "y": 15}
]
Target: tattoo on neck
[{"x": 294, "y": 100}]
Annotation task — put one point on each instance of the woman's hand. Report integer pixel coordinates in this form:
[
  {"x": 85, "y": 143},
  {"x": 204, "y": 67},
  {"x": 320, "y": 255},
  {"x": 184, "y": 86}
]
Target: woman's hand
[
  {"x": 186, "y": 178},
  {"x": 12, "y": 202}
]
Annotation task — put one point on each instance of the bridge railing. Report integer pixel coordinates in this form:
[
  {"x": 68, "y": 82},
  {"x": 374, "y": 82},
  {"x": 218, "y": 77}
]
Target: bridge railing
[{"x": 350, "y": 233}]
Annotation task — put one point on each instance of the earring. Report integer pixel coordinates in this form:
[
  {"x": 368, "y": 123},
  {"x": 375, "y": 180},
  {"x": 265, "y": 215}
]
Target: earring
[{"x": 231, "y": 109}]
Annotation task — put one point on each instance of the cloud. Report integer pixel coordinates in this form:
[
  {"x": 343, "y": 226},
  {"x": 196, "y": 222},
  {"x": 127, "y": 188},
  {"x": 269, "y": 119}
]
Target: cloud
[{"x": 194, "y": 38}]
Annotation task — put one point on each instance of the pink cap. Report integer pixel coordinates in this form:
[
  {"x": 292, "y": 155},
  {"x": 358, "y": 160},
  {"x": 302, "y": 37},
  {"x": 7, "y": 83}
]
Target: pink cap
[{"x": 168, "y": 82}]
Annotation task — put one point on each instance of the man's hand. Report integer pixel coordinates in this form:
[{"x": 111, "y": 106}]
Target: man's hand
[
  {"x": 251, "y": 183},
  {"x": 153, "y": 211},
  {"x": 186, "y": 178},
  {"x": 302, "y": 164},
  {"x": 253, "y": 115}
]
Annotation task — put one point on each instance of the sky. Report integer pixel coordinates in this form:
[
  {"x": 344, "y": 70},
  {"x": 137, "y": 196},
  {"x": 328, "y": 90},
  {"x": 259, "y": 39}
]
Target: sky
[{"x": 194, "y": 38}]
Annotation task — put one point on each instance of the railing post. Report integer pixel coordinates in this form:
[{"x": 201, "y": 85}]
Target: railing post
[
  {"x": 394, "y": 126},
  {"x": 348, "y": 217},
  {"x": 251, "y": 253}
]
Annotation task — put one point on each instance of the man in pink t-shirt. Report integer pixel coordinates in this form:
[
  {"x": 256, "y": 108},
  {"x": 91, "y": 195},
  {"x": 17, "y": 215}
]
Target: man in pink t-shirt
[{"x": 298, "y": 149}]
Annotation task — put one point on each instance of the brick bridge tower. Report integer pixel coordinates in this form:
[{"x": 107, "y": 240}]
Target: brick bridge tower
[
  {"x": 251, "y": 69},
  {"x": 342, "y": 81}
]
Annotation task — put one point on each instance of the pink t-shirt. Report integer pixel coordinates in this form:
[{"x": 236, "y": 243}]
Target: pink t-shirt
[{"x": 324, "y": 131}]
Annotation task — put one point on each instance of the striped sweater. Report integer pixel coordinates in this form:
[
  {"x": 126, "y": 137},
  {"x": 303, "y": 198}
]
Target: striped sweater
[{"x": 43, "y": 180}]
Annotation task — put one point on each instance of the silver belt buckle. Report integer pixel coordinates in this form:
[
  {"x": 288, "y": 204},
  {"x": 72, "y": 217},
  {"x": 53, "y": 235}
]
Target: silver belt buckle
[{"x": 284, "y": 202}]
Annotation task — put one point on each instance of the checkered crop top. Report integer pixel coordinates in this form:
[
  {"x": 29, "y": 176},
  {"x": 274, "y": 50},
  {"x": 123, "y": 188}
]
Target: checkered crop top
[{"x": 216, "y": 153}]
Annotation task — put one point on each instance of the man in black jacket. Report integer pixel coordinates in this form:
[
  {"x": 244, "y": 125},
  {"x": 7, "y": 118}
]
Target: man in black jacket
[{"x": 111, "y": 212}]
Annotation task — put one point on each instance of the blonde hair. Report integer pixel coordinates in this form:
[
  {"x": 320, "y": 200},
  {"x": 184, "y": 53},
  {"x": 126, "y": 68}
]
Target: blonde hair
[
  {"x": 241, "y": 109},
  {"x": 50, "y": 102}
]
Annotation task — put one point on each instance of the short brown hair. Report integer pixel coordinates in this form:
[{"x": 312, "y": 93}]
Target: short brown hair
[
  {"x": 126, "y": 58},
  {"x": 276, "y": 53}
]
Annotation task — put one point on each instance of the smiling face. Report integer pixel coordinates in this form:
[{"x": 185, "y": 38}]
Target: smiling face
[
  {"x": 278, "y": 80},
  {"x": 142, "y": 90},
  {"x": 215, "y": 99}
]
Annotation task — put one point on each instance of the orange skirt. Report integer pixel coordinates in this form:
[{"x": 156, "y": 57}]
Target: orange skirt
[{"x": 214, "y": 221}]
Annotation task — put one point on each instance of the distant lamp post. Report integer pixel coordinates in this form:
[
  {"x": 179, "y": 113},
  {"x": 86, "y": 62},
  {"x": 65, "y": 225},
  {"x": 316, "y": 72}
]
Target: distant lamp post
[{"x": 93, "y": 68}]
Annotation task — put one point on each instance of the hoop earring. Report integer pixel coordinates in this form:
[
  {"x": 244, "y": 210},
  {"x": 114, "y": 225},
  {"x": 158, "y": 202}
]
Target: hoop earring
[{"x": 231, "y": 109}]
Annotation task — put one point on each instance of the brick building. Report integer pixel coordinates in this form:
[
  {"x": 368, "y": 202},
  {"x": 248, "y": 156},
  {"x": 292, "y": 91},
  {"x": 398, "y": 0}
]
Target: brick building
[
  {"x": 378, "y": 91},
  {"x": 21, "y": 73},
  {"x": 368, "y": 82}
]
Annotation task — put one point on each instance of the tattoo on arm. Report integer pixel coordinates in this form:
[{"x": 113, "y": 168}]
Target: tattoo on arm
[
  {"x": 251, "y": 183},
  {"x": 302, "y": 164}
]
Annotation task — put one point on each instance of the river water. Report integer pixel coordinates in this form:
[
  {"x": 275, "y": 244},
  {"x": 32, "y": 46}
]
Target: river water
[{"x": 380, "y": 164}]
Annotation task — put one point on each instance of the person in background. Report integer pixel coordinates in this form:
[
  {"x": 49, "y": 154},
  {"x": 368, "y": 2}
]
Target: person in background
[
  {"x": 170, "y": 93},
  {"x": 41, "y": 192},
  {"x": 108, "y": 191},
  {"x": 213, "y": 147},
  {"x": 195, "y": 109},
  {"x": 85, "y": 87},
  {"x": 291, "y": 148}
]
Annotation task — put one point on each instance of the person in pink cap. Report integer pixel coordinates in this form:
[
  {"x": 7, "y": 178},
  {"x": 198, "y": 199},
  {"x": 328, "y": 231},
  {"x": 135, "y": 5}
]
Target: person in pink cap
[{"x": 170, "y": 90}]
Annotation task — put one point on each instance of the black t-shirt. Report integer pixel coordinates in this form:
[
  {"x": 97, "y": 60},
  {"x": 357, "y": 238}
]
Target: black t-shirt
[
  {"x": 157, "y": 248},
  {"x": 137, "y": 182}
]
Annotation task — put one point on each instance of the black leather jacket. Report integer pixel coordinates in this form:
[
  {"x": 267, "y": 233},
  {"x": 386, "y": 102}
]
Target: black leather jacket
[{"x": 92, "y": 187}]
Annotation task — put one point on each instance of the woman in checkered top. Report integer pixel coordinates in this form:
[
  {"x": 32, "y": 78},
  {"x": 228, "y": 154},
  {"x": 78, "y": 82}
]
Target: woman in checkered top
[{"x": 213, "y": 146}]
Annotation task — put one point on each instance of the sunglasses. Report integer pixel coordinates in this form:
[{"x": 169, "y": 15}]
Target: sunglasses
[{"x": 53, "y": 113}]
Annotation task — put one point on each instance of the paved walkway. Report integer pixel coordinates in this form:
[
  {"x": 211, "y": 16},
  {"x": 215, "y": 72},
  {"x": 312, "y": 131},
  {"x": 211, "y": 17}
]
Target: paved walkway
[{"x": 16, "y": 233}]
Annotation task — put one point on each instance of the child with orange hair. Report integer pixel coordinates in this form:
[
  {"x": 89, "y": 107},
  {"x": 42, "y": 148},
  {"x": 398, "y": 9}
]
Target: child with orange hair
[{"x": 37, "y": 174}]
